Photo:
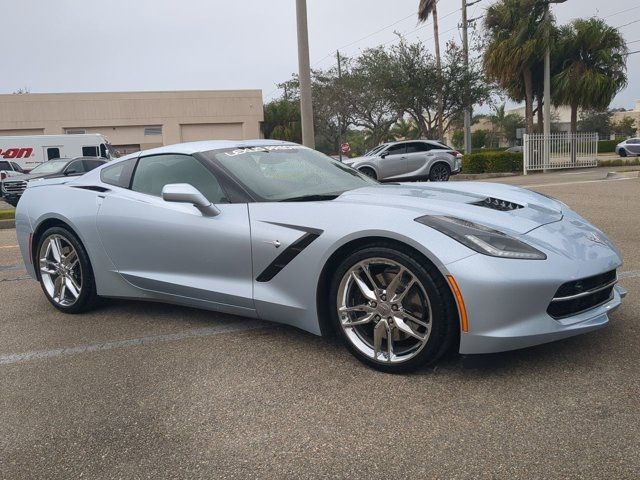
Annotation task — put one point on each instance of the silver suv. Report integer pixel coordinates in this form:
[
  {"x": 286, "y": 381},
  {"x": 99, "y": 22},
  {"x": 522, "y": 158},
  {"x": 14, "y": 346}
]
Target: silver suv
[{"x": 410, "y": 160}]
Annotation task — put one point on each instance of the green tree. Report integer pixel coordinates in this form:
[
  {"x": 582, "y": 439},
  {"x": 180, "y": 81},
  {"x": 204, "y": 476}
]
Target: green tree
[
  {"x": 428, "y": 8},
  {"x": 404, "y": 130},
  {"x": 625, "y": 127},
  {"x": 593, "y": 68},
  {"x": 594, "y": 121},
  {"x": 282, "y": 120},
  {"x": 518, "y": 33}
]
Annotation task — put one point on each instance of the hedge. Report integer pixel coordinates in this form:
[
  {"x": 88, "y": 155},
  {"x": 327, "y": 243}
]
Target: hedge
[
  {"x": 7, "y": 214},
  {"x": 619, "y": 162},
  {"x": 492, "y": 162},
  {"x": 607, "y": 146}
]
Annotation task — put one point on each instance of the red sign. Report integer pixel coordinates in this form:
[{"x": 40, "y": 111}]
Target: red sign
[
  {"x": 16, "y": 152},
  {"x": 345, "y": 148}
]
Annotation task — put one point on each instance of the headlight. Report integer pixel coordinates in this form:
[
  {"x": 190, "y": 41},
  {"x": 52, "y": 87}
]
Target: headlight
[{"x": 482, "y": 239}]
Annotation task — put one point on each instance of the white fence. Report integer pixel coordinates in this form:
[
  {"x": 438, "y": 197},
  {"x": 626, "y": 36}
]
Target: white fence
[{"x": 560, "y": 150}]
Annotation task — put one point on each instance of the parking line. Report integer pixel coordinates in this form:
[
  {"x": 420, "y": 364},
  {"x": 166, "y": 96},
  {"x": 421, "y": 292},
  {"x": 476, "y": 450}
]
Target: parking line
[
  {"x": 576, "y": 183},
  {"x": 9, "y": 246},
  {"x": 133, "y": 342}
]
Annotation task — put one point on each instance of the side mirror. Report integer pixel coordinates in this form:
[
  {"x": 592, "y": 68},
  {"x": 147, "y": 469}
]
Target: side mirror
[
  {"x": 185, "y": 193},
  {"x": 383, "y": 155},
  {"x": 70, "y": 171}
]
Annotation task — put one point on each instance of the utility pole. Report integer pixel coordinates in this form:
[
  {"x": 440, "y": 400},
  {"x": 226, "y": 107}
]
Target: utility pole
[
  {"x": 547, "y": 89},
  {"x": 339, "y": 111},
  {"x": 465, "y": 51},
  {"x": 304, "y": 75}
]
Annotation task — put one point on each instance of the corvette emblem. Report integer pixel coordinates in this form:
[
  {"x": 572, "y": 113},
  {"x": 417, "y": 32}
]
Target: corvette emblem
[{"x": 595, "y": 238}]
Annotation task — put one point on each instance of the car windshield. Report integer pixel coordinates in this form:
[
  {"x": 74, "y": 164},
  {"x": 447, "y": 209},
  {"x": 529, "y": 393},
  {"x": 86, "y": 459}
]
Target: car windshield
[
  {"x": 375, "y": 150},
  {"x": 52, "y": 166},
  {"x": 289, "y": 172}
]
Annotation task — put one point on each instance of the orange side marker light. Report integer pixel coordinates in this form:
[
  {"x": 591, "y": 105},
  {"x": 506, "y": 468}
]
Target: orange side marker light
[{"x": 462, "y": 310}]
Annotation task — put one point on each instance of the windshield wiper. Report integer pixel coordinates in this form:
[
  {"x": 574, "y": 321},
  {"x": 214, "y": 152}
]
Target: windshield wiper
[{"x": 312, "y": 198}]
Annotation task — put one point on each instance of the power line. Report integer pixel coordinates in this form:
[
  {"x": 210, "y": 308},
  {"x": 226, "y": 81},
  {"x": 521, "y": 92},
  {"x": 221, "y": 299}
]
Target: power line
[
  {"x": 633, "y": 53},
  {"x": 627, "y": 24},
  {"x": 622, "y": 11}
]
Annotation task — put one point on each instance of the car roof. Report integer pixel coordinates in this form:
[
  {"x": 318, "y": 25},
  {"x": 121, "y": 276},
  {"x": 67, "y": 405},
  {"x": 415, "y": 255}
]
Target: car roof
[
  {"x": 436, "y": 142},
  {"x": 189, "y": 148}
]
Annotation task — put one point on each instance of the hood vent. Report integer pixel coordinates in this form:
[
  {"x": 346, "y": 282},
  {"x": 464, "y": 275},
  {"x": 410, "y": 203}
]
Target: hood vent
[{"x": 497, "y": 204}]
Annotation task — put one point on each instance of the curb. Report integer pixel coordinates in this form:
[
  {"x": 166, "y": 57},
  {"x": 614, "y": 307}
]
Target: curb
[
  {"x": 7, "y": 224},
  {"x": 481, "y": 176}
]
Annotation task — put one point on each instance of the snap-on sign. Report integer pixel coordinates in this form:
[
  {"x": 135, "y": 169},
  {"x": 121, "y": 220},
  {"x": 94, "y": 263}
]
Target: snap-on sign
[{"x": 16, "y": 152}]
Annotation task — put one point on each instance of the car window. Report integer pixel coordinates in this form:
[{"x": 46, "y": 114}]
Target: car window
[
  {"x": 415, "y": 147},
  {"x": 91, "y": 164},
  {"x": 16, "y": 167},
  {"x": 118, "y": 174},
  {"x": 90, "y": 151},
  {"x": 75, "y": 167},
  {"x": 396, "y": 149},
  {"x": 154, "y": 172},
  {"x": 634, "y": 141},
  {"x": 53, "y": 153},
  {"x": 5, "y": 166}
]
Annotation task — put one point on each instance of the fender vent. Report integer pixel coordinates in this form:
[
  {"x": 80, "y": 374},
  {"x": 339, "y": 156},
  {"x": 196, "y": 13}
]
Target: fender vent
[{"x": 497, "y": 204}]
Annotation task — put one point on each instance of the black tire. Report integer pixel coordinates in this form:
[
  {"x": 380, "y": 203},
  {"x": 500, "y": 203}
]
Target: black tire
[
  {"x": 440, "y": 172},
  {"x": 12, "y": 201},
  {"x": 444, "y": 322},
  {"x": 622, "y": 152},
  {"x": 88, "y": 297},
  {"x": 369, "y": 172}
]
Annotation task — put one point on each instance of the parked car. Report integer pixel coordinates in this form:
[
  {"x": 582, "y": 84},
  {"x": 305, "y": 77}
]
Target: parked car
[
  {"x": 9, "y": 169},
  {"x": 13, "y": 187},
  {"x": 630, "y": 147},
  {"x": 277, "y": 231},
  {"x": 409, "y": 160}
]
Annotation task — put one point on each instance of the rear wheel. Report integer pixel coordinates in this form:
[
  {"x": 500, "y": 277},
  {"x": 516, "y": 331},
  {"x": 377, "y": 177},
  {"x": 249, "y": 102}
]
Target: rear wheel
[
  {"x": 440, "y": 172},
  {"x": 622, "y": 152},
  {"x": 393, "y": 313},
  {"x": 65, "y": 272},
  {"x": 369, "y": 172}
]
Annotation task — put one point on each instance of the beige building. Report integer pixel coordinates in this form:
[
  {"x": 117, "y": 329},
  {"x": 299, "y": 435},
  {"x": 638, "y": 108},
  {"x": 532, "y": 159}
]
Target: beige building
[{"x": 136, "y": 120}]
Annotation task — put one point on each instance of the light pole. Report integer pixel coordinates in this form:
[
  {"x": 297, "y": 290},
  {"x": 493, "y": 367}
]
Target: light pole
[
  {"x": 547, "y": 88},
  {"x": 304, "y": 75}
]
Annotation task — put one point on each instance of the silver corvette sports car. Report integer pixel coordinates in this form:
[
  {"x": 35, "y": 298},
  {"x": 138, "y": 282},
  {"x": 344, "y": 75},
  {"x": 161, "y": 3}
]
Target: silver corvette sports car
[{"x": 273, "y": 230}]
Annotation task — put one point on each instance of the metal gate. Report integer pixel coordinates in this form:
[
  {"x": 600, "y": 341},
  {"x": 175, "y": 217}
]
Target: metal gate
[{"x": 560, "y": 150}]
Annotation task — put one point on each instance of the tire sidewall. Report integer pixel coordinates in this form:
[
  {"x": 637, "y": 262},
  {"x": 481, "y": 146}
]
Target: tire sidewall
[
  {"x": 369, "y": 172},
  {"x": 440, "y": 322},
  {"x": 448, "y": 172},
  {"x": 87, "y": 294}
]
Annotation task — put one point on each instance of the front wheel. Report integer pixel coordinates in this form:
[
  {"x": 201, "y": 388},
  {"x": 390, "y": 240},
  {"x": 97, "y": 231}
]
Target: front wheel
[
  {"x": 393, "y": 313},
  {"x": 65, "y": 272},
  {"x": 622, "y": 152},
  {"x": 369, "y": 172},
  {"x": 440, "y": 172}
]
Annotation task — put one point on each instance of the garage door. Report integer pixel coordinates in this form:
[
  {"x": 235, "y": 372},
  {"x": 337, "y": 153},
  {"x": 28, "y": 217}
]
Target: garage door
[{"x": 211, "y": 131}]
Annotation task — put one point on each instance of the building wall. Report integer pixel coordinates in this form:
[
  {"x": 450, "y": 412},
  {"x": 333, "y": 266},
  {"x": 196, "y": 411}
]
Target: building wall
[{"x": 122, "y": 117}]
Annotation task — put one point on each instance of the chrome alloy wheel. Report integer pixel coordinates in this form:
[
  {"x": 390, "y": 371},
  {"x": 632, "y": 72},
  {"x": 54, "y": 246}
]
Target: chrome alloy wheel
[
  {"x": 60, "y": 270},
  {"x": 384, "y": 310}
]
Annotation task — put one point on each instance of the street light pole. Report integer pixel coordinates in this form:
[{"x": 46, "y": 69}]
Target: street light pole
[{"x": 304, "y": 75}]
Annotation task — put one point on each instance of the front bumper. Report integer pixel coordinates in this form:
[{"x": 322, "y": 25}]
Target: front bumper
[{"x": 507, "y": 300}]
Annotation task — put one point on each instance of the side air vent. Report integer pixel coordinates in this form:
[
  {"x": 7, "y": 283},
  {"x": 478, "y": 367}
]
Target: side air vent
[
  {"x": 94, "y": 188},
  {"x": 497, "y": 204}
]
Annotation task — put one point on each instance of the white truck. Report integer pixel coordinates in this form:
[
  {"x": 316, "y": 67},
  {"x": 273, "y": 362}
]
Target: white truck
[{"x": 30, "y": 151}]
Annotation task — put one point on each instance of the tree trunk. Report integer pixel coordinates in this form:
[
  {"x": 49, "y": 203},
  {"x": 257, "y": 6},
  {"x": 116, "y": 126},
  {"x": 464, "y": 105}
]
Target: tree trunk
[
  {"x": 574, "y": 131},
  {"x": 528, "y": 109},
  {"x": 540, "y": 115},
  {"x": 436, "y": 39}
]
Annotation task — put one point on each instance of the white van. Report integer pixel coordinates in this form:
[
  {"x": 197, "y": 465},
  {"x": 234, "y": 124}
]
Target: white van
[{"x": 30, "y": 151}]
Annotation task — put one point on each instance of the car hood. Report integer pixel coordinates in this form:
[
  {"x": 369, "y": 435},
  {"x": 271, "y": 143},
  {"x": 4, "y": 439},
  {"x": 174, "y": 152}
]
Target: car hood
[
  {"x": 351, "y": 161},
  {"x": 34, "y": 176},
  {"x": 503, "y": 207}
]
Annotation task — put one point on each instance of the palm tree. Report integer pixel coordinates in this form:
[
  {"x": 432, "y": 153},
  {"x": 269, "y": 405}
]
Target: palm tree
[
  {"x": 425, "y": 9},
  {"x": 593, "y": 69},
  {"x": 517, "y": 34}
]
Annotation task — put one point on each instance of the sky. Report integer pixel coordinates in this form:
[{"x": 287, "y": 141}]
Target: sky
[{"x": 132, "y": 45}]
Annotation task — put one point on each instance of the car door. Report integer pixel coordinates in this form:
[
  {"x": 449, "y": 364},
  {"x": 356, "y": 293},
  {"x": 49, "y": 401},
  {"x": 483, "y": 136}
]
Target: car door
[
  {"x": 392, "y": 162},
  {"x": 633, "y": 146},
  {"x": 171, "y": 248},
  {"x": 418, "y": 154}
]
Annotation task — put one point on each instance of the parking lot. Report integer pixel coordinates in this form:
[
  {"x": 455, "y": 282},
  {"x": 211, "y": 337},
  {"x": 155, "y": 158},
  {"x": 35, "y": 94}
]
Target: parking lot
[{"x": 140, "y": 390}]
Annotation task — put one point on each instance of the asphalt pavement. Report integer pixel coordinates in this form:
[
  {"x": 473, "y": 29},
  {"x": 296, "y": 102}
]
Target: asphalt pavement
[{"x": 143, "y": 390}]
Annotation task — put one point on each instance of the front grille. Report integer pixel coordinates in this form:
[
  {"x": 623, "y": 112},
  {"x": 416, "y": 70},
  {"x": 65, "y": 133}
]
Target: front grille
[
  {"x": 581, "y": 295},
  {"x": 14, "y": 187},
  {"x": 497, "y": 204}
]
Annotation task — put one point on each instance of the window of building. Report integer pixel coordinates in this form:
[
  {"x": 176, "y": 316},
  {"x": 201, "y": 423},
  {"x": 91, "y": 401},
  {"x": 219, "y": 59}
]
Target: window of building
[
  {"x": 53, "y": 152},
  {"x": 75, "y": 131},
  {"x": 118, "y": 174},
  {"x": 156, "y": 171},
  {"x": 154, "y": 130}
]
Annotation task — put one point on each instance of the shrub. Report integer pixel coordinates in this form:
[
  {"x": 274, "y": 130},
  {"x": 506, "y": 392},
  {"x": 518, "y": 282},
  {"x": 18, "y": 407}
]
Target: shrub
[
  {"x": 492, "y": 162},
  {"x": 607, "y": 146}
]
